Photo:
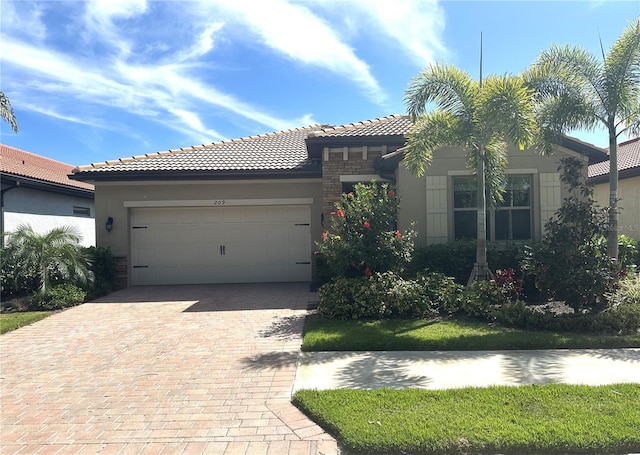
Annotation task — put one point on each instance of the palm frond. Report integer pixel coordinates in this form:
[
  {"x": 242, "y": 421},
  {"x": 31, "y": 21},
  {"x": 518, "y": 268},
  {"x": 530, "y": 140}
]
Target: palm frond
[
  {"x": 622, "y": 75},
  {"x": 506, "y": 104},
  {"x": 430, "y": 132},
  {"x": 6, "y": 112},
  {"x": 495, "y": 157},
  {"x": 449, "y": 88}
]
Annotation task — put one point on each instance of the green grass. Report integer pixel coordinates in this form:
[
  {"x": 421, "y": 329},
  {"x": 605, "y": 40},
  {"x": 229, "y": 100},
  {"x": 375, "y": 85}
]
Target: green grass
[
  {"x": 422, "y": 335},
  {"x": 553, "y": 418},
  {"x": 12, "y": 321}
]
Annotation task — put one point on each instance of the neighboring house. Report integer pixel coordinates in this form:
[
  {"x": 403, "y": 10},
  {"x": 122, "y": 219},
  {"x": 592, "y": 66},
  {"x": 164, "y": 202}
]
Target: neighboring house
[
  {"x": 251, "y": 209},
  {"x": 628, "y": 186},
  {"x": 38, "y": 191}
]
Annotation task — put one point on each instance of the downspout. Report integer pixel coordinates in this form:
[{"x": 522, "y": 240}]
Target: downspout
[{"x": 17, "y": 184}]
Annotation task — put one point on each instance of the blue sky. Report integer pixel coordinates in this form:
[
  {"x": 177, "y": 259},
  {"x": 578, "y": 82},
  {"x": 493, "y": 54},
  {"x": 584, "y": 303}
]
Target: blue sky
[{"x": 97, "y": 80}]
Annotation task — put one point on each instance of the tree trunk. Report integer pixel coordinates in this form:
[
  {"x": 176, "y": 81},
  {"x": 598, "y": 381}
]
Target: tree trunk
[
  {"x": 612, "y": 238},
  {"x": 481, "y": 267}
]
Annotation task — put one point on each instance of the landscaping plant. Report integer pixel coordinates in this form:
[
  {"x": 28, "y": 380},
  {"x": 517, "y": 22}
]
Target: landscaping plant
[
  {"x": 45, "y": 258},
  {"x": 568, "y": 263},
  {"x": 363, "y": 237}
]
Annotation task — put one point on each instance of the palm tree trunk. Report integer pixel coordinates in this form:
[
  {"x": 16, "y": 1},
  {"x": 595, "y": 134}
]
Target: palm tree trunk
[
  {"x": 612, "y": 238},
  {"x": 481, "y": 267}
]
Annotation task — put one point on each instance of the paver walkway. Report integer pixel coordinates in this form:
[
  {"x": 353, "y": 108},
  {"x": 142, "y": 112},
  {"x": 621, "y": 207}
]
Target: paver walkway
[{"x": 171, "y": 370}]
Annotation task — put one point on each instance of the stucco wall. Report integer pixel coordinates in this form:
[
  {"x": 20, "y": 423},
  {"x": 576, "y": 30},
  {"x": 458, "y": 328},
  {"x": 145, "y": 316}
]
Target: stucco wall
[
  {"x": 45, "y": 211},
  {"x": 111, "y": 198},
  {"x": 427, "y": 201},
  {"x": 629, "y": 194}
]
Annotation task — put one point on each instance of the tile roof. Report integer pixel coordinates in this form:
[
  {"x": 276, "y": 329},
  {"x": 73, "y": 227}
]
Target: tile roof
[
  {"x": 392, "y": 125},
  {"x": 283, "y": 150},
  {"x": 25, "y": 164},
  {"x": 628, "y": 159}
]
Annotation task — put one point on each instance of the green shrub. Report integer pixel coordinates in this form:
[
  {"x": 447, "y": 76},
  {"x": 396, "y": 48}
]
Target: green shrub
[
  {"x": 628, "y": 253},
  {"x": 443, "y": 294},
  {"x": 568, "y": 263},
  {"x": 454, "y": 259},
  {"x": 58, "y": 297},
  {"x": 363, "y": 238},
  {"x": 480, "y": 298},
  {"x": 16, "y": 279},
  {"x": 623, "y": 319},
  {"x": 104, "y": 272},
  {"x": 388, "y": 295}
]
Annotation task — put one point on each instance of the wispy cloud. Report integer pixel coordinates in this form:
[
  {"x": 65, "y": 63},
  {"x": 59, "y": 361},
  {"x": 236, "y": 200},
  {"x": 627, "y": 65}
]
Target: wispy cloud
[
  {"x": 133, "y": 56},
  {"x": 295, "y": 31}
]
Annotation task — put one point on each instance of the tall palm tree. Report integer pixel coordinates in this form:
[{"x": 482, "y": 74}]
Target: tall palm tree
[
  {"x": 482, "y": 117},
  {"x": 6, "y": 112},
  {"x": 56, "y": 252},
  {"x": 580, "y": 91}
]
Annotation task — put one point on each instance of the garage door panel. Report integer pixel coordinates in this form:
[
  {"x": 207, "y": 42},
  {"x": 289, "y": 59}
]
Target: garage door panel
[{"x": 183, "y": 245}]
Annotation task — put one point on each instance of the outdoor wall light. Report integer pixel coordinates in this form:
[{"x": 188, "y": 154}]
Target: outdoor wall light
[{"x": 109, "y": 224}]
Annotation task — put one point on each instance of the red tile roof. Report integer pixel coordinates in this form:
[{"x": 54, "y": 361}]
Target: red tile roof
[
  {"x": 391, "y": 125},
  {"x": 283, "y": 150},
  {"x": 25, "y": 164},
  {"x": 628, "y": 159}
]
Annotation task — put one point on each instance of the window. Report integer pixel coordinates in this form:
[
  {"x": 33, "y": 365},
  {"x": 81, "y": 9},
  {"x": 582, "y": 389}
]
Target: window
[
  {"x": 81, "y": 211},
  {"x": 510, "y": 221},
  {"x": 465, "y": 202}
]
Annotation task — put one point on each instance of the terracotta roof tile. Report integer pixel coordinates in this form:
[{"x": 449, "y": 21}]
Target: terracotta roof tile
[
  {"x": 628, "y": 158},
  {"x": 284, "y": 150},
  {"x": 25, "y": 164},
  {"x": 392, "y": 125}
]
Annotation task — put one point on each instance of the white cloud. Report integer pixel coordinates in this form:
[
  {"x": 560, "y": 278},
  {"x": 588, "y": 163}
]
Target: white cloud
[
  {"x": 203, "y": 44},
  {"x": 296, "y": 32},
  {"x": 151, "y": 92},
  {"x": 415, "y": 26},
  {"x": 29, "y": 24}
]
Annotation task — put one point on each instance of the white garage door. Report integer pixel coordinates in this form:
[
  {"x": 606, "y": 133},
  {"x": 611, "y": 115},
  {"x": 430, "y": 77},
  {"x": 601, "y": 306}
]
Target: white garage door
[{"x": 200, "y": 245}]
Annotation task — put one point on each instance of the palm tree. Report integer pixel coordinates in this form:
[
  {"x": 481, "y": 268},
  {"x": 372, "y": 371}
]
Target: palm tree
[
  {"x": 56, "y": 252},
  {"x": 482, "y": 117},
  {"x": 6, "y": 112},
  {"x": 578, "y": 91}
]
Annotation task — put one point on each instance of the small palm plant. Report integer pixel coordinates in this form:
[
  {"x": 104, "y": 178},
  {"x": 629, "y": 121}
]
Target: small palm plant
[{"x": 55, "y": 253}]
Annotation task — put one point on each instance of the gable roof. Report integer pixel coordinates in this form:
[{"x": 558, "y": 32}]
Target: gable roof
[
  {"x": 26, "y": 167},
  {"x": 279, "y": 154},
  {"x": 628, "y": 163},
  {"x": 391, "y": 125}
]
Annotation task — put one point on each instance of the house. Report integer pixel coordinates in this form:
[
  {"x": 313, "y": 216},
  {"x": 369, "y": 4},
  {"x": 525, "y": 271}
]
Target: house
[
  {"x": 251, "y": 209},
  {"x": 38, "y": 191},
  {"x": 628, "y": 186}
]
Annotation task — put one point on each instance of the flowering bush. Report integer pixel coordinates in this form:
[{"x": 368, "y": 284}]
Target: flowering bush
[{"x": 363, "y": 237}]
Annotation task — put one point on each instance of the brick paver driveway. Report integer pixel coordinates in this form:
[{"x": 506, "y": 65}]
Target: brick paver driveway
[{"x": 169, "y": 369}]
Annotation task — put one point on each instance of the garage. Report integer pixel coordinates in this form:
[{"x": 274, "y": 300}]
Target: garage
[{"x": 220, "y": 244}]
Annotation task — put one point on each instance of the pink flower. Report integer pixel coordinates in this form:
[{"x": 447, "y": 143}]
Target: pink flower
[
  {"x": 350, "y": 194},
  {"x": 366, "y": 225},
  {"x": 398, "y": 234},
  {"x": 368, "y": 271},
  {"x": 391, "y": 193},
  {"x": 324, "y": 236},
  {"x": 340, "y": 213}
]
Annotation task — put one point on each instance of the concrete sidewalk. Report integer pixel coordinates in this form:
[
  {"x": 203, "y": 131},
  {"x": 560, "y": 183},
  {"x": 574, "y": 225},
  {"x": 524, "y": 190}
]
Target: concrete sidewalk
[{"x": 455, "y": 369}]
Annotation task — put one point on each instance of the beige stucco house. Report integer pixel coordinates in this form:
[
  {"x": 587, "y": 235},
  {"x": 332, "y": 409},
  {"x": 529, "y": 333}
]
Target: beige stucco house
[
  {"x": 628, "y": 186},
  {"x": 251, "y": 209}
]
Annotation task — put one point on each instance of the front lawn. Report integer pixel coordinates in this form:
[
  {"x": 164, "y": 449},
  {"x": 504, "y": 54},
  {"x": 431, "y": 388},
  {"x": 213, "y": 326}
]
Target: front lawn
[
  {"x": 422, "y": 335},
  {"x": 553, "y": 418},
  {"x": 12, "y": 321}
]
